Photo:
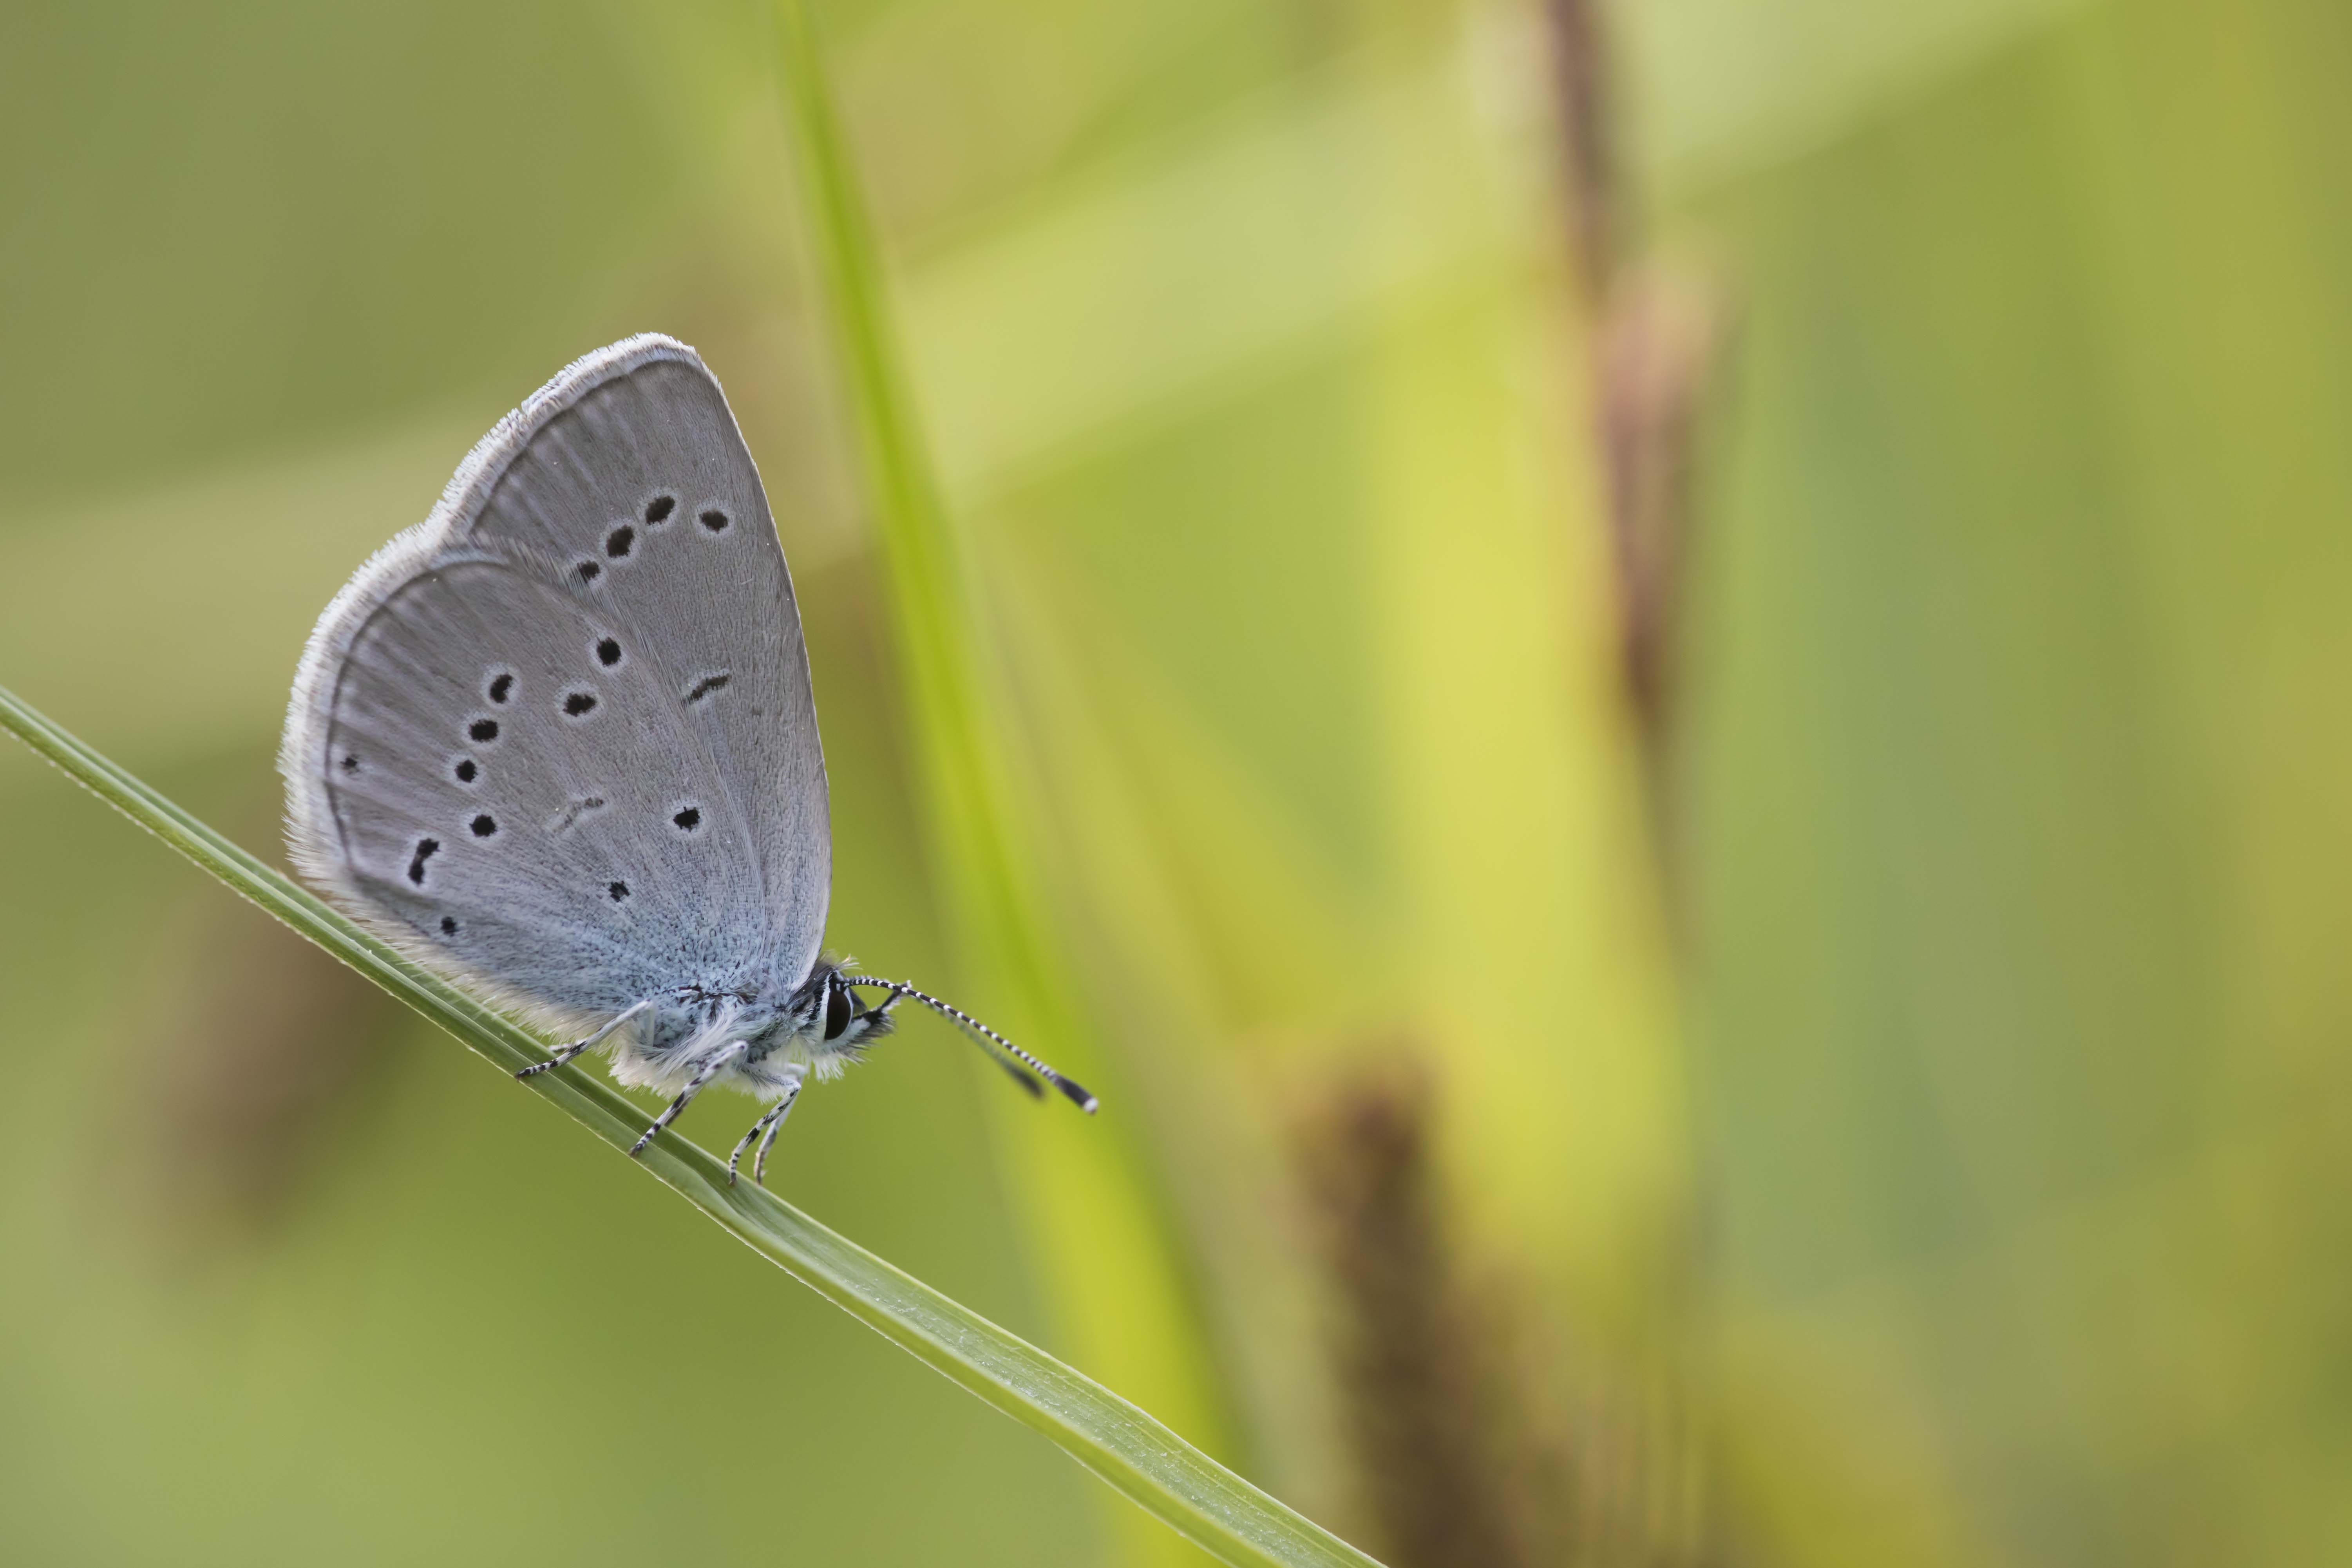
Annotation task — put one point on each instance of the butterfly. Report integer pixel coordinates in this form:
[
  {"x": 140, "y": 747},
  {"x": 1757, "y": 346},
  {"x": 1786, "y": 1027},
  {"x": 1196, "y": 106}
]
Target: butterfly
[{"x": 559, "y": 743}]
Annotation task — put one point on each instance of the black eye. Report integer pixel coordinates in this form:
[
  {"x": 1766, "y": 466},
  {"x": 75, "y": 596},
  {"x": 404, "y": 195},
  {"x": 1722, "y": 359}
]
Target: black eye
[
  {"x": 608, "y": 653},
  {"x": 839, "y": 1009},
  {"x": 588, "y": 570},
  {"x": 688, "y": 819},
  {"x": 467, "y": 771},
  {"x": 618, "y": 542},
  {"x": 449, "y": 926},
  {"x": 714, "y": 520},
  {"x": 500, "y": 687},
  {"x": 484, "y": 730},
  {"x": 658, "y": 508}
]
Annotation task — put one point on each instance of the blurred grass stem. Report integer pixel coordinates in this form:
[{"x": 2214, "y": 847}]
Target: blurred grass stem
[
  {"x": 1171, "y": 1480},
  {"x": 1106, "y": 1242}
]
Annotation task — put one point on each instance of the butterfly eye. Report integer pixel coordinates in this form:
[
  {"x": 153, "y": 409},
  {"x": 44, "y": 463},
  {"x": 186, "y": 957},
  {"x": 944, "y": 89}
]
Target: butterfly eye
[{"x": 839, "y": 1009}]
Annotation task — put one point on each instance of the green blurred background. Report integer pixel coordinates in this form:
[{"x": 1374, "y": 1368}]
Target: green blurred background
[{"x": 1682, "y": 679}]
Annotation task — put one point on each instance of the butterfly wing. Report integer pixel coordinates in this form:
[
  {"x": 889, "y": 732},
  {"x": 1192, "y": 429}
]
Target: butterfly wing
[{"x": 560, "y": 737}]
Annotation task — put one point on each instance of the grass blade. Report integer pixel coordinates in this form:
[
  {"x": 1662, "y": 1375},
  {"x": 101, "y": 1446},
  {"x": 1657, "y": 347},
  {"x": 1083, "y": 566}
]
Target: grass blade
[
  {"x": 1102, "y": 1230},
  {"x": 1135, "y": 1453}
]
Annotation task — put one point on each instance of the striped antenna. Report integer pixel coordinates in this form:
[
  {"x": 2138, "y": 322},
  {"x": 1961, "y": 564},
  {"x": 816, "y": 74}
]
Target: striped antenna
[{"x": 1071, "y": 1088}]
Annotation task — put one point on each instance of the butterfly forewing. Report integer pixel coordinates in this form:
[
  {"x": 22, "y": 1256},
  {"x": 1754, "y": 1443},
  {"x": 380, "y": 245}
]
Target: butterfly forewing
[{"x": 565, "y": 731}]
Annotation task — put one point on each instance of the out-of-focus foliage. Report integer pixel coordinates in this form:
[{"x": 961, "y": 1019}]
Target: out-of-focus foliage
[
  {"x": 2023, "y": 846},
  {"x": 2000, "y": 1228}
]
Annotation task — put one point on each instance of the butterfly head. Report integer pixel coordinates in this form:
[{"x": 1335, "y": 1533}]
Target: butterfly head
[{"x": 841, "y": 1025}]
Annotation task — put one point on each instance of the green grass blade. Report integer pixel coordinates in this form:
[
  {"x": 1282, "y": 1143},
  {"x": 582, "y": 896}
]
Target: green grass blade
[
  {"x": 1112, "y": 1265},
  {"x": 1158, "y": 1470}
]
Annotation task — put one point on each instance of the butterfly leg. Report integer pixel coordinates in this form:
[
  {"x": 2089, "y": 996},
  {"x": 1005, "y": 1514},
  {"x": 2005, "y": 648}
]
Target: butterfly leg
[
  {"x": 775, "y": 1125},
  {"x": 768, "y": 1123},
  {"x": 566, "y": 1053},
  {"x": 694, "y": 1086},
  {"x": 563, "y": 1053}
]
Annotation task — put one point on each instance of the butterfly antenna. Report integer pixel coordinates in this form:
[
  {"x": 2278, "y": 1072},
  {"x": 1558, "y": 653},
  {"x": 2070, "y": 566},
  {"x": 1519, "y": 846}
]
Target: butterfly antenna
[{"x": 989, "y": 1040}]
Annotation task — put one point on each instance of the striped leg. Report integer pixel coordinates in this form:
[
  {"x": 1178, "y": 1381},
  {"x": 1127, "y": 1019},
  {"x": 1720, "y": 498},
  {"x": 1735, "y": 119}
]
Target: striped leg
[
  {"x": 566, "y": 1053},
  {"x": 768, "y": 1123},
  {"x": 694, "y": 1086},
  {"x": 775, "y": 1125}
]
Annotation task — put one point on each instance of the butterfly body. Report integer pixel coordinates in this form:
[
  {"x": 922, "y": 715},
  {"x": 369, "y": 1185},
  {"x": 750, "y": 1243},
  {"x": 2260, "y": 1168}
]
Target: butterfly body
[{"x": 784, "y": 1038}]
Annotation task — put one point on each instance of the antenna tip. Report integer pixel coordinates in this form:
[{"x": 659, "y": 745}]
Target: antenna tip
[{"x": 1077, "y": 1095}]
